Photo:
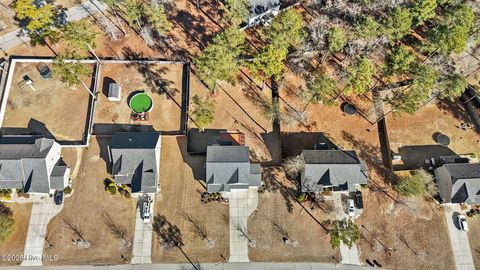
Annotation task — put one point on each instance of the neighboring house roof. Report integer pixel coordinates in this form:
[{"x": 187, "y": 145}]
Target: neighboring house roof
[
  {"x": 459, "y": 183},
  {"x": 135, "y": 159},
  {"x": 332, "y": 168},
  {"x": 23, "y": 163},
  {"x": 58, "y": 175},
  {"x": 261, "y": 6},
  {"x": 228, "y": 167}
]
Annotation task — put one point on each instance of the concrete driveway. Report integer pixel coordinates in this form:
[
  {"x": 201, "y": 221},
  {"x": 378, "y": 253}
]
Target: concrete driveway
[
  {"x": 349, "y": 255},
  {"x": 458, "y": 239},
  {"x": 242, "y": 203},
  {"x": 142, "y": 240},
  {"x": 42, "y": 213}
]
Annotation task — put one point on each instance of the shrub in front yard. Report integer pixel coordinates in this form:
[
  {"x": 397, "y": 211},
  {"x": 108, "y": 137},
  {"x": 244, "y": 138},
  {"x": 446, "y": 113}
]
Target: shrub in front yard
[
  {"x": 419, "y": 184},
  {"x": 6, "y": 194},
  {"x": 301, "y": 197},
  {"x": 6, "y": 222},
  {"x": 342, "y": 231},
  {"x": 67, "y": 190}
]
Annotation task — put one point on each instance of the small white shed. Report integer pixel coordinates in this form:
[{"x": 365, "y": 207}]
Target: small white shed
[{"x": 114, "y": 92}]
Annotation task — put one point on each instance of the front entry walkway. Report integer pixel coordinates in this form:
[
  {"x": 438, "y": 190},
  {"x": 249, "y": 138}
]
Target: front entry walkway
[
  {"x": 242, "y": 203},
  {"x": 42, "y": 213},
  {"x": 142, "y": 241}
]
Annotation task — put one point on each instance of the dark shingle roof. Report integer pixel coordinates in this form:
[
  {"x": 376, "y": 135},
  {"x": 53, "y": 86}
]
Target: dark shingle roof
[
  {"x": 135, "y": 160},
  {"x": 23, "y": 164},
  {"x": 337, "y": 168},
  {"x": 228, "y": 167},
  {"x": 459, "y": 182}
]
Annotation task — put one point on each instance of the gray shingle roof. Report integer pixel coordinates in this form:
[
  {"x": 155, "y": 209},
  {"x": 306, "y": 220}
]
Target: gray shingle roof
[
  {"x": 57, "y": 177},
  {"x": 228, "y": 167},
  {"x": 23, "y": 164},
  {"x": 332, "y": 168},
  {"x": 459, "y": 183},
  {"x": 135, "y": 161}
]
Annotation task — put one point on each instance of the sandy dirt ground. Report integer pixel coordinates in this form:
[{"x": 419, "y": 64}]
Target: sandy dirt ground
[
  {"x": 167, "y": 99},
  {"x": 86, "y": 209},
  {"x": 52, "y": 107},
  {"x": 419, "y": 129},
  {"x": 414, "y": 233},
  {"x": 279, "y": 215},
  {"x": 180, "y": 194},
  {"x": 15, "y": 243},
  {"x": 473, "y": 236}
]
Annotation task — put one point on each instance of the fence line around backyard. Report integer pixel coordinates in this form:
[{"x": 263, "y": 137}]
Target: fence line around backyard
[{"x": 96, "y": 84}]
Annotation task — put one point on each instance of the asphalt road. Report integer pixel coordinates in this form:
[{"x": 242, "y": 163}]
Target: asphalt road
[{"x": 17, "y": 37}]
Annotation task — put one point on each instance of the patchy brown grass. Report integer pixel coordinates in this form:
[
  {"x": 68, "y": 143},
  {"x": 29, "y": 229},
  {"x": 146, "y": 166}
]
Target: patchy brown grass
[
  {"x": 53, "y": 108},
  {"x": 15, "y": 243},
  {"x": 180, "y": 193},
  {"x": 86, "y": 209},
  {"x": 163, "y": 83},
  {"x": 415, "y": 233},
  {"x": 473, "y": 236},
  {"x": 278, "y": 215}
]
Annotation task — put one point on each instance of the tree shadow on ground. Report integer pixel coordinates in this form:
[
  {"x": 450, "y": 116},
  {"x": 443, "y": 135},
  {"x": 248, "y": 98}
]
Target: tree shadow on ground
[
  {"x": 455, "y": 110},
  {"x": 194, "y": 27},
  {"x": 271, "y": 183},
  {"x": 195, "y": 162},
  {"x": 152, "y": 76},
  {"x": 169, "y": 234},
  {"x": 372, "y": 156}
]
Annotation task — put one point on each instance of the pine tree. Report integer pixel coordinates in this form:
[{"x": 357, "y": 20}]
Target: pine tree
[
  {"x": 219, "y": 60},
  {"x": 398, "y": 23},
  {"x": 79, "y": 35},
  {"x": 423, "y": 10},
  {"x": 203, "y": 112},
  {"x": 287, "y": 28},
  {"x": 451, "y": 31},
  {"x": 336, "y": 39},
  {"x": 321, "y": 89},
  {"x": 361, "y": 77}
]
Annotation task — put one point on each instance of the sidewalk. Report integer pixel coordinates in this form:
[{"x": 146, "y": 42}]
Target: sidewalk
[
  {"x": 42, "y": 213},
  {"x": 17, "y": 37},
  {"x": 210, "y": 266}
]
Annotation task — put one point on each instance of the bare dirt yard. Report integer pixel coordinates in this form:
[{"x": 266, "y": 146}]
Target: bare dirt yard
[
  {"x": 87, "y": 209},
  {"x": 420, "y": 129},
  {"x": 278, "y": 215},
  {"x": 15, "y": 243},
  {"x": 162, "y": 82},
  {"x": 180, "y": 195},
  {"x": 473, "y": 237},
  {"x": 413, "y": 232},
  {"x": 52, "y": 109}
]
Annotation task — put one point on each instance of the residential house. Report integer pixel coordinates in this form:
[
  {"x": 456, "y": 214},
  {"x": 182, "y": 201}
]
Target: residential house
[
  {"x": 459, "y": 183},
  {"x": 229, "y": 167},
  {"x": 135, "y": 160},
  {"x": 335, "y": 170},
  {"x": 33, "y": 164},
  {"x": 262, "y": 12}
]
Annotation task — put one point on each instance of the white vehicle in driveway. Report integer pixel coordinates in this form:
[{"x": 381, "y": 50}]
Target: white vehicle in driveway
[
  {"x": 351, "y": 208},
  {"x": 146, "y": 210},
  {"x": 462, "y": 222}
]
